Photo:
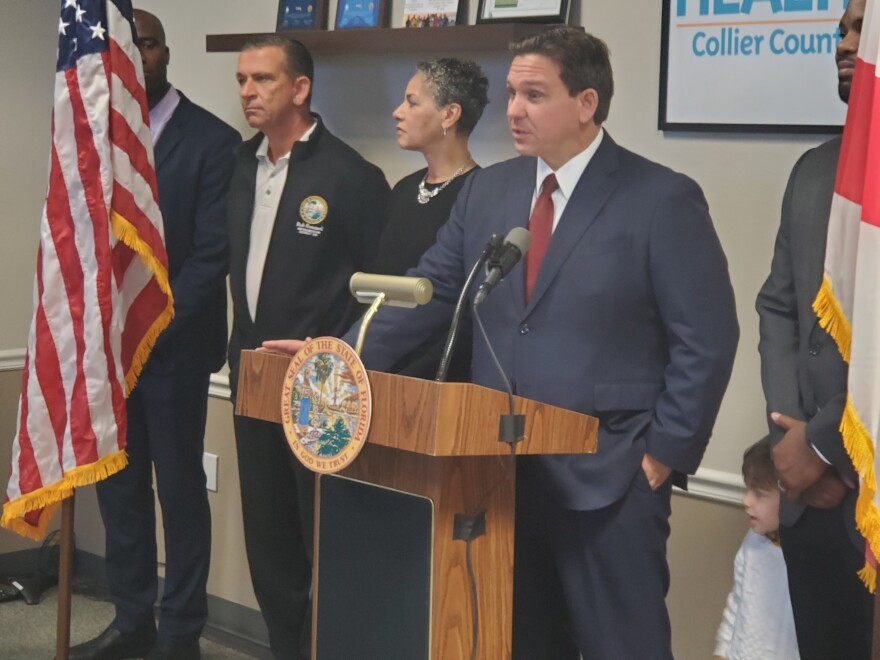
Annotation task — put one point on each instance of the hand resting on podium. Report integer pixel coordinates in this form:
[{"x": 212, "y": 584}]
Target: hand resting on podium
[{"x": 289, "y": 346}]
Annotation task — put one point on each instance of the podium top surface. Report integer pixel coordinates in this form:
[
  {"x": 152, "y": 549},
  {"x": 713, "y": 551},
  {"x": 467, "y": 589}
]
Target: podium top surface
[{"x": 426, "y": 417}]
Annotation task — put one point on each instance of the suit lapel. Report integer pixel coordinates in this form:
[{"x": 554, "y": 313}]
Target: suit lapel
[
  {"x": 589, "y": 196},
  {"x": 172, "y": 134}
]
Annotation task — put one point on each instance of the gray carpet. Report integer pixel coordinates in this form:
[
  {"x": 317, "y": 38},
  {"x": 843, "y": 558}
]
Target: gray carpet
[{"x": 27, "y": 632}]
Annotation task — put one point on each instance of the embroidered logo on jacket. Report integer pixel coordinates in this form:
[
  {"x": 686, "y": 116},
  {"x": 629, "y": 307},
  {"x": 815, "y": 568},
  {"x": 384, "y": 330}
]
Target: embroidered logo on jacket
[{"x": 313, "y": 211}]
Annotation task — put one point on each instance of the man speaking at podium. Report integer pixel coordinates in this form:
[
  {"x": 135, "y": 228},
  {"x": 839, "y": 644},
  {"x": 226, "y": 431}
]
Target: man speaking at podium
[{"x": 627, "y": 315}]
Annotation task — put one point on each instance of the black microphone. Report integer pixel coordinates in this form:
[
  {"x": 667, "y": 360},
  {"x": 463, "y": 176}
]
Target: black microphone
[
  {"x": 489, "y": 251},
  {"x": 516, "y": 244}
]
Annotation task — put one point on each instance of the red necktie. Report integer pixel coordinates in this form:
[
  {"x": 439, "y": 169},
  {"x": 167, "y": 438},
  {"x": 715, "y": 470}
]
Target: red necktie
[{"x": 540, "y": 227}]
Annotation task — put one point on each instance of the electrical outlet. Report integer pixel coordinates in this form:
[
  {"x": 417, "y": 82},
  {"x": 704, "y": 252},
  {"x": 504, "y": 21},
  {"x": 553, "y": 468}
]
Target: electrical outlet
[{"x": 209, "y": 461}]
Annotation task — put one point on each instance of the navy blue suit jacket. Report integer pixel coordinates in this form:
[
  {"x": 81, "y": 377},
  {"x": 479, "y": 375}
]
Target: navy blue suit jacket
[
  {"x": 198, "y": 148},
  {"x": 632, "y": 318}
]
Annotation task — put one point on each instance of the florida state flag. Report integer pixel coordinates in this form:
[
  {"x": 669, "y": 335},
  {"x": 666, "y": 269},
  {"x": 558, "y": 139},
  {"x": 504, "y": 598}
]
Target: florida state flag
[{"x": 848, "y": 304}]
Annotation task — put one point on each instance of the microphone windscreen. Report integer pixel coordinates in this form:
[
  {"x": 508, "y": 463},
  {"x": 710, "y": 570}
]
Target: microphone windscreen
[{"x": 520, "y": 237}]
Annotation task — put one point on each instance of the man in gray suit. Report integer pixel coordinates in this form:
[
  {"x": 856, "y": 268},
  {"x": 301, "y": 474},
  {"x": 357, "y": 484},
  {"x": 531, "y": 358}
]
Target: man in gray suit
[{"x": 805, "y": 380}]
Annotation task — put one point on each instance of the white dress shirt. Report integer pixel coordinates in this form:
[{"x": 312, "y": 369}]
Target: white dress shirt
[
  {"x": 271, "y": 178},
  {"x": 567, "y": 177},
  {"x": 160, "y": 114}
]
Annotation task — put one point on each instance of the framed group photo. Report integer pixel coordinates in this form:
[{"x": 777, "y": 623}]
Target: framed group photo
[
  {"x": 430, "y": 13},
  {"x": 523, "y": 11},
  {"x": 301, "y": 15}
]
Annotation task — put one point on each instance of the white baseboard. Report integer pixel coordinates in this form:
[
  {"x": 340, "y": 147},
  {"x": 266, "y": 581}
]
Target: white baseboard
[
  {"x": 12, "y": 360},
  {"x": 715, "y": 485},
  {"x": 219, "y": 387}
]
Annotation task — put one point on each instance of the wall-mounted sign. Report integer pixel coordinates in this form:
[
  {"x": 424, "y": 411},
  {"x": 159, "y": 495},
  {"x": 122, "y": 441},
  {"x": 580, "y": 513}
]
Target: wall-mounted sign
[{"x": 750, "y": 65}]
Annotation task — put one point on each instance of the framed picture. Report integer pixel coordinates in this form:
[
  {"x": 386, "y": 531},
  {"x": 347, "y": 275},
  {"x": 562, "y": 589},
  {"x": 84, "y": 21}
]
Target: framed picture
[
  {"x": 523, "y": 11},
  {"x": 749, "y": 68},
  {"x": 430, "y": 13},
  {"x": 301, "y": 15},
  {"x": 360, "y": 14}
]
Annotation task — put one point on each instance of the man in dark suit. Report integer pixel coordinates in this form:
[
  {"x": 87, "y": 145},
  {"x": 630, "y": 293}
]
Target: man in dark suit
[
  {"x": 305, "y": 212},
  {"x": 629, "y": 317},
  {"x": 805, "y": 382},
  {"x": 168, "y": 408}
]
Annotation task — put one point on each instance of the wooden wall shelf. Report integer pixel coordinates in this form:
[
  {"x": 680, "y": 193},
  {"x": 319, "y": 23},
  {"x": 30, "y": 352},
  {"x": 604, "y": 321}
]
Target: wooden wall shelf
[{"x": 461, "y": 38}]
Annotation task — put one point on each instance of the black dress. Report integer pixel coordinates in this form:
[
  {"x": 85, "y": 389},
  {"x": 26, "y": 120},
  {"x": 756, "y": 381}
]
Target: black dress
[{"x": 411, "y": 229}]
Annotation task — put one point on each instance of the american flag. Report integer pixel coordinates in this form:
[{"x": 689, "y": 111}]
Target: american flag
[
  {"x": 848, "y": 304},
  {"x": 101, "y": 295}
]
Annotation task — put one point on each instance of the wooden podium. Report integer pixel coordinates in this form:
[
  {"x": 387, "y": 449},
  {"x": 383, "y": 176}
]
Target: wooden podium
[{"x": 391, "y": 581}]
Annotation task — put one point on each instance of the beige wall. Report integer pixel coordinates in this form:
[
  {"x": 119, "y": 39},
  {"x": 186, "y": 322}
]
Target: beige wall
[
  {"x": 704, "y": 540},
  {"x": 27, "y": 33},
  {"x": 742, "y": 175}
]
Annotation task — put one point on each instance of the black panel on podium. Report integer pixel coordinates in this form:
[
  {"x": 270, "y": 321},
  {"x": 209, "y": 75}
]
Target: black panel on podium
[{"x": 375, "y": 572}]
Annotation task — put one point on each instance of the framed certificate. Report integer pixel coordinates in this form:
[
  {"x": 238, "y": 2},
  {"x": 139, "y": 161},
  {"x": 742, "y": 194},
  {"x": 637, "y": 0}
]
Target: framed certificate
[
  {"x": 360, "y": 14},
  {"x": 301, "y": 15},
  {"x": 523, "y": 11}
]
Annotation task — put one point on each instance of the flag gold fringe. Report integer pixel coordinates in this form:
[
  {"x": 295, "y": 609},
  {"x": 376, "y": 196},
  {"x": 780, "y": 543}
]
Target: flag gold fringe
[
  {"x": 48, "y": 497},
  {"x": 832, "y": 318},
  {"x": 856, "y": 439},
  {"x": 860, "y": 448},
  {"x": 868, "y": 576},
  {"x": 125, "y": 232}
]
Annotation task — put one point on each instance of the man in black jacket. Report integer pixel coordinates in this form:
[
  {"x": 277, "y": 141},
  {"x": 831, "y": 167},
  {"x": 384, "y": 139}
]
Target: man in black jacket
[{"x": 305, "y": 212}]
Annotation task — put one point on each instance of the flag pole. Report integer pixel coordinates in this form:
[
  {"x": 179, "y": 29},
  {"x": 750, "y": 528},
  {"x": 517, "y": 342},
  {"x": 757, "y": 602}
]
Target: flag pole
[{"x": 62, "y": 634}]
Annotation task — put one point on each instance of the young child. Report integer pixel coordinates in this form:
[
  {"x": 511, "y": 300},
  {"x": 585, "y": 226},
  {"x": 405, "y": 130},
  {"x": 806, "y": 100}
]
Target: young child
[{"x": 757, "y": 623}]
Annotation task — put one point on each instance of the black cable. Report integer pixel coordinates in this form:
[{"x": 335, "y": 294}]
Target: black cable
[
  {"x": 475, "y": 619},
  {"x": 49, "y": 556},
  {"x": 452, "y": 337},
  {"x": 494, "y": 357},
  {"x": 473, "y": 529}
]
